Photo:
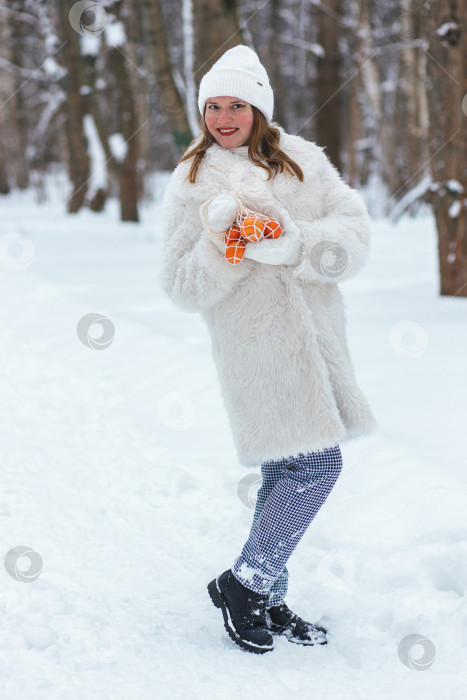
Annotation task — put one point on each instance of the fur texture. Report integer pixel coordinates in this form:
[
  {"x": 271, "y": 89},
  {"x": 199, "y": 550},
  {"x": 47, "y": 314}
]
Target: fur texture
[{"x": 278, "y": 331}]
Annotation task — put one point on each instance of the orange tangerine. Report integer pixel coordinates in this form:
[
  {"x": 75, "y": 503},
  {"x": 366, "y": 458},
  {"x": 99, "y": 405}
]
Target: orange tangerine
[
  {"x": 234, "y": 245},
  {"x": 252, "y": 228},
  {"x": 272, "y": 229},
  {"x": 232, "y": 234}
]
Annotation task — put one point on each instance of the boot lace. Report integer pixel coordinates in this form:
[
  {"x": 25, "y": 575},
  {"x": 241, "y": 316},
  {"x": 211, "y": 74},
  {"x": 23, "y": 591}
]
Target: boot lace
[{"x": 256, "y": 610}]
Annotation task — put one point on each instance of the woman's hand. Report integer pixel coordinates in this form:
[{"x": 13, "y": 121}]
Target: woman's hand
[
  {"x": 221, "y": 213},
  {"x": 285, "y": 250}
]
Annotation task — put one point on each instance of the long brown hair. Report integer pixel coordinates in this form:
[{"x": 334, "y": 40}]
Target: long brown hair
[{"x": 263, "y": 149}]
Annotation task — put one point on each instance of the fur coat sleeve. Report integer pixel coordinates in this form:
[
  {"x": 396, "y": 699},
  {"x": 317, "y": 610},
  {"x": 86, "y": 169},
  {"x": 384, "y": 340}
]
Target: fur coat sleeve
[
  {"x": 335, "y": 244},
  {"x": 194, "y": 272}
]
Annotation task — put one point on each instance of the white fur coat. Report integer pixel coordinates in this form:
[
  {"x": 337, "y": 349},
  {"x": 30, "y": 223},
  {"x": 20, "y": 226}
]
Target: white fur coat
[{"x": 278, "y": 331}]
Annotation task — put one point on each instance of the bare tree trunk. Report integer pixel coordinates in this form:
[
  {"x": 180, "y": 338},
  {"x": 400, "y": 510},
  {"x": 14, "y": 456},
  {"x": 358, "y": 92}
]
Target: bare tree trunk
[
  {"x": 78, "y": 159},
  {"x": 13, "y": 108},
  {"x": 141, "y": 86},
  {"x": 19, "y": 124},
  {"x": 6, "y": 90},
  {"x": 304, "y": 91},
  {"x": 216, "y": 30},
  {"x": 328, "y": 117},
  {"x": 169, "y": 92},
  {"x": 447, "y": 71},
  {"x": 414, "y": 78},
  {"x": 126, "y": 103},
  {"x": 273, "y": 51},
  {"x": 365, "y": 152},
  {"x": 353, "y": 173},
  {"x": 407, "y": 141}
]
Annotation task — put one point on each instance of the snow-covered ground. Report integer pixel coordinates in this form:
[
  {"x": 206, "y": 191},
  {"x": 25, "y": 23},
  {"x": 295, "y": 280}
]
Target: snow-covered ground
[{"x": 119, "y": 471}]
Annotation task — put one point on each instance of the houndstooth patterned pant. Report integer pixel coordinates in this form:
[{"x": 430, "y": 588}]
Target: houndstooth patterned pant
[{"x": 292, "y": 492}]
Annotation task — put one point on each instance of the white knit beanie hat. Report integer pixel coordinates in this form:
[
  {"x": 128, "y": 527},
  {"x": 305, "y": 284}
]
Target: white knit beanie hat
[{"x": 238, "y": 73}]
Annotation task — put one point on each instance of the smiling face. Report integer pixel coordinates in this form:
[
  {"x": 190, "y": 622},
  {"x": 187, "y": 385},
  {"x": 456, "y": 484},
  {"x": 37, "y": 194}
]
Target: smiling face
[{"x": 229, "y": 120}]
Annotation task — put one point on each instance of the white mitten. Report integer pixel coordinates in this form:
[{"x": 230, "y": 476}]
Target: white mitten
[
  {"x": 222, "y": 213},
  {"x": 285, "y": 250}
]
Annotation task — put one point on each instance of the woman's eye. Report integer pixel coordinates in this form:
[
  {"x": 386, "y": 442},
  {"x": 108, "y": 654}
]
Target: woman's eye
[{"x": 238, "y": 104}]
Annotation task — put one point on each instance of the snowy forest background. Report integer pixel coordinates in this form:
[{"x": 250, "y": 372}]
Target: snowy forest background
[{"x": 108, "y": 91}]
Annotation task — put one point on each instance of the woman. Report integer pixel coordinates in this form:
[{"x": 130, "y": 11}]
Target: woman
[{"x": 276, "y": 321}]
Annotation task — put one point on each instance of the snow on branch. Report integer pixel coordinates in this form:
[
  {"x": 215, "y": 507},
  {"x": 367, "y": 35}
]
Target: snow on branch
[
  {"x": 446, "y": 29},
  {"x": 448, "y": 33},
  {"x": 414, "y": 195},
  {"x": 454, "y": 187},
  {"x": 98, "y": 176},
  {"x": 118, "y": 147},
  {"x": 455, "y": 209},
  {"x": 314, "y": 48},
  {"x": 49, "y": 70},
  {"x": 51, "y": 108},
  {"x": 20, "y": 16},
  {"x": 115, "y": 34}
]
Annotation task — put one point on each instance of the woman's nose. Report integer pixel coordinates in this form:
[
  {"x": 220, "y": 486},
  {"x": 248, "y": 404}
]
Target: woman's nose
[{"x": 224, "y": 116}]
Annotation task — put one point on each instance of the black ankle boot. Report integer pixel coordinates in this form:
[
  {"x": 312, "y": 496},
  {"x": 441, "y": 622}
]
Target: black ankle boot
[
  {"x": 244, "y": 613},
  {"x": 281, "y": 620}
]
